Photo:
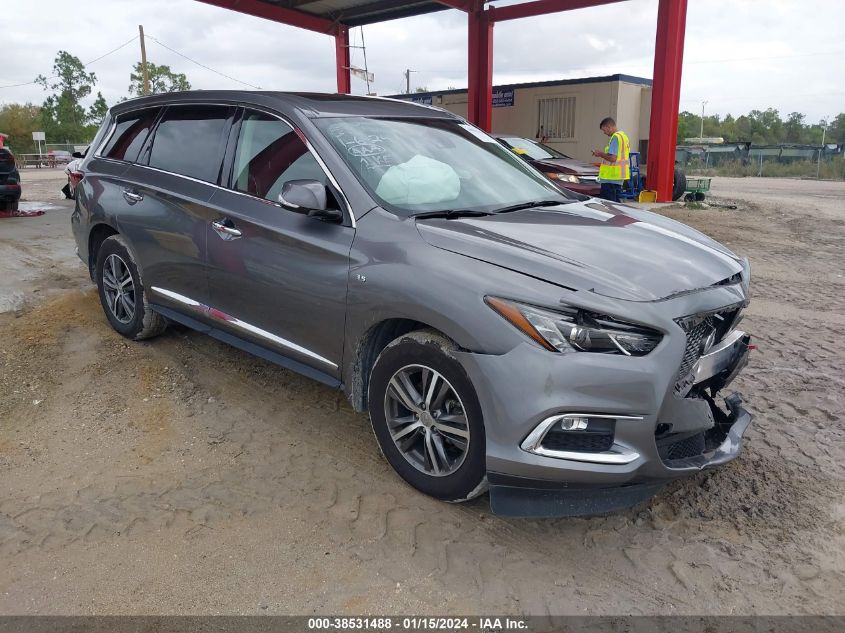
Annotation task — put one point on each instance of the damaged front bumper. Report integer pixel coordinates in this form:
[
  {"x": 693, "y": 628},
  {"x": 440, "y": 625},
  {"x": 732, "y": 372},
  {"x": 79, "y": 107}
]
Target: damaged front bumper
[{"x": 689, "y": 432}]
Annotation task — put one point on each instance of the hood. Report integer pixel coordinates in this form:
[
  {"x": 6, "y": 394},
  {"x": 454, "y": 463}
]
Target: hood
[
  {"x": 609, "y": 249},
  {"x": 567, "y": 166}
]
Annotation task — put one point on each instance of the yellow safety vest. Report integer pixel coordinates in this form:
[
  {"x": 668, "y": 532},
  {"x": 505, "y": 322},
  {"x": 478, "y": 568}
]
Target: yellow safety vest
[{"x": 621, "y": 168}]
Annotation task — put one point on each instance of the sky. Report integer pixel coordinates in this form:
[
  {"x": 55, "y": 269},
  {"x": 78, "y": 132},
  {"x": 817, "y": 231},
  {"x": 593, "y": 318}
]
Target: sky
[{"x": 739, "y": 54}]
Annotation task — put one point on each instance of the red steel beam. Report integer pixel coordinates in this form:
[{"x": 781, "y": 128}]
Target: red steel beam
[
  {"x": 480, "y": 67},
  {"x": 277, "y": 14},
  {"x": 542, "y": 7},
  {"x": 665, "y": 96},
  {"x": 341, "y": 48}
]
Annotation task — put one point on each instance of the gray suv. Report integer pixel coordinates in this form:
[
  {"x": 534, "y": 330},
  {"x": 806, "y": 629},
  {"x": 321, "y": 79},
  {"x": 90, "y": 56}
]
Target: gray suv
[{"x": 563, "y": 351}]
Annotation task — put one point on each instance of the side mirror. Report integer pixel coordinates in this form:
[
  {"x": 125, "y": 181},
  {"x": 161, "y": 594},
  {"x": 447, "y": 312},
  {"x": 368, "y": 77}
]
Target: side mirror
[
  {"x": 78, "y": 155},
  {"x": 308, "y": 197}
]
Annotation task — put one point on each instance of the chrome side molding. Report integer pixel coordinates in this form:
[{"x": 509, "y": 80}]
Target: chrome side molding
[{"x": 218, "y": 315}]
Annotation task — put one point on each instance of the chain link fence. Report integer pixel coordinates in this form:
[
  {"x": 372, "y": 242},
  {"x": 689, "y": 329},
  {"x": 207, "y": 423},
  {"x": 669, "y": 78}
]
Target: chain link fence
[{"x": 786, "y": 161}]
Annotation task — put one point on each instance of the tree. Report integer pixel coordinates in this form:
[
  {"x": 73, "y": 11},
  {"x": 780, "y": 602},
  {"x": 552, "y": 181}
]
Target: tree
[
  {"x": 19, "y": 121},
  {"x": 794, "y": 128},
  {"x": 98, "y": 110},
  {"x": 63, "y": 116},
  {"x": 162, "y": 79},
  {"x": 836, "y": 131}
]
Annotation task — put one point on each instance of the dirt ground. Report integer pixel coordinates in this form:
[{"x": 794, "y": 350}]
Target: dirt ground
[{"x": 182, "y": 476}]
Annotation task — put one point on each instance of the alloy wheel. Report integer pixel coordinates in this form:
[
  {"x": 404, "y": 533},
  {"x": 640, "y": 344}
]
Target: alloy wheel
[
  {"x": 119, "y": 288},
  {"x": 427, "y": 420}
]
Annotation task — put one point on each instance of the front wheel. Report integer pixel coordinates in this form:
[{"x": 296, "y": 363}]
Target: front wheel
[{"x": 426, "y": 417}]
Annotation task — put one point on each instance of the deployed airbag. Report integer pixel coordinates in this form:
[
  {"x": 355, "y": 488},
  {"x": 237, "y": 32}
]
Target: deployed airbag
[{"x": 421, "y": 180}]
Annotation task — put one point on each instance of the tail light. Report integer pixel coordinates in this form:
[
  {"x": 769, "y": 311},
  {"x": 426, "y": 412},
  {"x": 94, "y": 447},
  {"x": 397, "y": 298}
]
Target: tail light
[{"x": 76, "y": 177}]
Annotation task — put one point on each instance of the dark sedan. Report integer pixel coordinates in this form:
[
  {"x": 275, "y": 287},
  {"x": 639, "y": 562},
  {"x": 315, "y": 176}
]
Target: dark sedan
[{"x": 563, "y": 170}]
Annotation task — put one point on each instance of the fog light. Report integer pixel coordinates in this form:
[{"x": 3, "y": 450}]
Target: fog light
[{"x": 573, "y": 424}]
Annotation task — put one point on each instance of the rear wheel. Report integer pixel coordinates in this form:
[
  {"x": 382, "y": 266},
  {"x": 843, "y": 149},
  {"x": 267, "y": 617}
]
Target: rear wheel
[
  {"x": 426, "y": 417},
  {"x": 121, "y": 293},
  {"x": 679, "y": 185}
]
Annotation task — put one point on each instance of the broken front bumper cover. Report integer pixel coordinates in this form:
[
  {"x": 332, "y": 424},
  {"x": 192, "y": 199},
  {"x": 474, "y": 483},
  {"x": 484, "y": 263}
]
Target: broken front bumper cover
[
  {"x": 532, "y": 498},
  {"x": 538, "y": 498}
]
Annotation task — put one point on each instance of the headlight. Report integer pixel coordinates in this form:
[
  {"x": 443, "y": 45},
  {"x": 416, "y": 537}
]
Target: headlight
[
  {"x": 746, "y": 274},
  {"x": 564, "y": 177},
  {"x": 572, "y": 330}
]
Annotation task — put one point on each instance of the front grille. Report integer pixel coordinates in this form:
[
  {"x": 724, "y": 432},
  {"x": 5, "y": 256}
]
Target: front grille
[
  {"x": 697, "y": 329},
  {"x": 578, "y": 441}
]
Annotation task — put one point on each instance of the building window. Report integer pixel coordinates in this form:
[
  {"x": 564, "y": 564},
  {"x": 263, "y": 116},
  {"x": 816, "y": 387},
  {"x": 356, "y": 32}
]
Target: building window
[{"x": 556, "y": 118}]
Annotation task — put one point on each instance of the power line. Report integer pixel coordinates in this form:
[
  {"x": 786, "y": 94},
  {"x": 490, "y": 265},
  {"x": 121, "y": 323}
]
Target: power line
[
  {"x": 173, "y": 50},
  {"x": 93, "y": 61}
]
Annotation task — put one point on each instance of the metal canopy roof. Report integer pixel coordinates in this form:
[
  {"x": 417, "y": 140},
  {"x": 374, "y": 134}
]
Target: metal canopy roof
[{"x": 358, "y": 12}]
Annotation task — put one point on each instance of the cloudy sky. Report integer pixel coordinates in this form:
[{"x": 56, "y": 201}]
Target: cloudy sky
[{"x": 740, "y": 54}]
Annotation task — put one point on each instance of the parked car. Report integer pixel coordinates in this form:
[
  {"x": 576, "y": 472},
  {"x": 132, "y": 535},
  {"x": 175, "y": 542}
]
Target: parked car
[
  {"x": 565, "y": 353},
  {"x": 58, "y": 157},
  {"x": 10, "y": 180},
  {"x": 74, "y": 175},
  {"x": 563, "y": 170}
]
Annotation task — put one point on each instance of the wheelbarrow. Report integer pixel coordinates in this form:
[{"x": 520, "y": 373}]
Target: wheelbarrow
[{"x": 696, "y": 188}]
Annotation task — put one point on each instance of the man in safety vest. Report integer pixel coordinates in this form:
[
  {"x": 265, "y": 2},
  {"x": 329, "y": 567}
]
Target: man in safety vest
[{"x": 615, "y": 168}]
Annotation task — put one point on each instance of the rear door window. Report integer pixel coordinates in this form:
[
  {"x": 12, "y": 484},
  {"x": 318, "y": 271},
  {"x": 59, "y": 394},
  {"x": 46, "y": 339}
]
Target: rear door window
[
  {"x": 129, "y": 135},
  {"x": 190, "y": 141},
  {"x": 269, "y": 154}
]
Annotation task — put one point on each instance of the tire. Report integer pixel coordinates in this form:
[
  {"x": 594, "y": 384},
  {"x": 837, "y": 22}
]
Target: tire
[
  {"x": 454, "y": 473},
  {"x": 127, "y": 309},
  {"x": 680, "y": 183}
]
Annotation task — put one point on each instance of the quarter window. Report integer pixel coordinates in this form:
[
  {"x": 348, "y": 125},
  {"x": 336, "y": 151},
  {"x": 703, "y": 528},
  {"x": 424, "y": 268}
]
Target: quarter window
[
  {"x": 129, "y": 135},
  {"x": 269, "y": 154},
  {"x": 190, "y": 141}
]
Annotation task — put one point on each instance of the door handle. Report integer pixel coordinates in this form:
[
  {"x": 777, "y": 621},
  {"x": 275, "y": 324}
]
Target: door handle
[
  {"x": 226, "y": 229},
  {"x": 132, "y": 196}
]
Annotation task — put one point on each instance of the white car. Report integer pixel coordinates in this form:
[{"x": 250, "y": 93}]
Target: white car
[{"x": 74, "y": 175}]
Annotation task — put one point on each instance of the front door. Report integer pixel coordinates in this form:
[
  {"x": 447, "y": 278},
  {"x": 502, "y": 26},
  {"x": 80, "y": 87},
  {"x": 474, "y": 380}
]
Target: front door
[{"x": 277, "y": 278}]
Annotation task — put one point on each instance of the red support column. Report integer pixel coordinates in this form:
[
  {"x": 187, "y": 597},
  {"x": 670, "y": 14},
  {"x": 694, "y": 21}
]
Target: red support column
[
  {"x": 480, "y": 67},
  {"x": 341, "y": 46},
  {"x": 665, "y": 96}
]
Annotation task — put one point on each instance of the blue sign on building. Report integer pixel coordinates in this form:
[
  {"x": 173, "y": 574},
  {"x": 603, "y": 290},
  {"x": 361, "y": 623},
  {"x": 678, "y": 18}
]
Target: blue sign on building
[
  {"x": 423, "y": 100},
  {"x": 503, "y": 98}
]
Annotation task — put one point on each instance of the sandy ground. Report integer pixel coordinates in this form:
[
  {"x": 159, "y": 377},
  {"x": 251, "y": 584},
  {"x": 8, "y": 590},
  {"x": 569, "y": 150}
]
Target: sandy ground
[{"x": 182, "y": 476}]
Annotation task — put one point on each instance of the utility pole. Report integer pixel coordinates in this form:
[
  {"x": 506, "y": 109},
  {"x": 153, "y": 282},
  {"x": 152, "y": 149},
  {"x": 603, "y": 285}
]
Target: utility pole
[
  {"x": 366, "y": 69},
  {"x": 821, "y": 149},
  {"x": 701, "y": 133},
  {"x": 146, "y": 86},
  {"x": 407, "y": 74}
]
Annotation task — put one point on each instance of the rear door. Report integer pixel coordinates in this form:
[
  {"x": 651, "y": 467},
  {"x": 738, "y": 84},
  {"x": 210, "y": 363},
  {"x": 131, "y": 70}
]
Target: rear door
[
  {"x": 279, "y": 279},
  {"x": 166, "y": 194}
]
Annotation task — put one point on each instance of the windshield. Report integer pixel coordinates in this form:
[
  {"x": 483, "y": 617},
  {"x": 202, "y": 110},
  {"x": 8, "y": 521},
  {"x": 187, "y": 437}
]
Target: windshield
[
  {"x": 531, "y": 149},
  {"x": 428, "y": 165}
]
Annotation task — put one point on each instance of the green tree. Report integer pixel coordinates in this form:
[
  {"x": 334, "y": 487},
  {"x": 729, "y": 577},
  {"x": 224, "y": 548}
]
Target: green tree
[
  {"x": 836, "y": 131},
  {"x": 794, "y": 128},
  {"x": 162, "y": 79},
  {"x": 97, "y": 112},
  {"x": 19, "y": 121},
  {"x": 63, "y": 116}
]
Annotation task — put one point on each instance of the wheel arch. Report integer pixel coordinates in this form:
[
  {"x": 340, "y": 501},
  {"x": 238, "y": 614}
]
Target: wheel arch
[
  {"x": 367, "y": 350},
  {"x": 96, "y": 236}
]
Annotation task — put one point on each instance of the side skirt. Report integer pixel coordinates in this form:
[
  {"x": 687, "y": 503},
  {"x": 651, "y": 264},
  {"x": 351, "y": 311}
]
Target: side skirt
[{"x": 249, "y": 346}]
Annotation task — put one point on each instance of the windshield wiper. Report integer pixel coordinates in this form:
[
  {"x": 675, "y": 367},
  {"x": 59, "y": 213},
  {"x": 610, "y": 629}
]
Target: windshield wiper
[
  {"x": 529, "y": 205},
  {"x": 452, "y": 213}
]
